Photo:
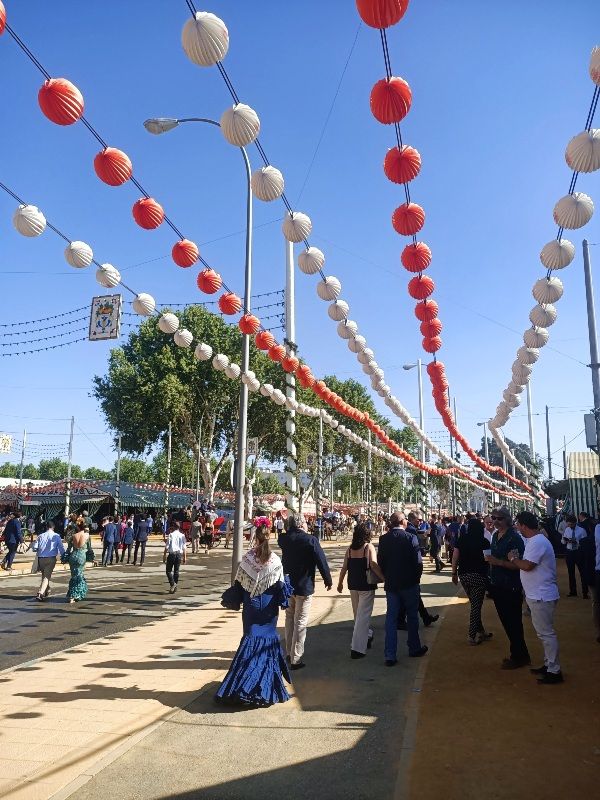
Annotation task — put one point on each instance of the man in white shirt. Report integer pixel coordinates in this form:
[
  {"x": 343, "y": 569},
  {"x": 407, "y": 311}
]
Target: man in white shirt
[
  {"x": 174, "y": 555},
  {"x": 538, "y": 578},
  {"x": 571, "y": 538}
]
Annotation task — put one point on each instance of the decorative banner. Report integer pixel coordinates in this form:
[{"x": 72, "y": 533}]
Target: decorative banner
[
  {"x": 5, "y": 443},
  {"x": 252, "y": 449},
  {"x": 105, "y": 317},
  {"x": 311, "y": 459}
]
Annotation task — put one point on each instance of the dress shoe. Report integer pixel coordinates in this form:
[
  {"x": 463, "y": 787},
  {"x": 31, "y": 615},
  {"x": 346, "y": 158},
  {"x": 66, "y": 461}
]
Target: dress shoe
[
  {"x": 391, "y": 662},
  {"x": 572, "y": 594},
  {"x": 539, "y": 670},
  {"x": 299, "y": 665},
  {"x": 551, "y": 677},
  {"x": 420, "y": 652},
  {"x": 356, "y": 654},
  {"x": 431, "y": 619},
  {"x": 511, "y": 663},
  {"x": 370, "y": 642}
]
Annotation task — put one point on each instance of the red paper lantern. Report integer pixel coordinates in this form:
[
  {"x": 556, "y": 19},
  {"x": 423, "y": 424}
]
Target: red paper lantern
[
  {"x": 408, "y": 219},
  {"x": 421, "y": 287},
  {"x": 113, "y": 166},
  {"x": 435, "y": 367},
  {"x": 432, "y": 344},
  {"x": 60, "y": 100},
  {"x": 431, "y": 328},
  {"x": 440, "y": 382},
  {"x": 229, "y": 303},
  {"x": 277, "y": 352},
  {"x": 2, "y": 17},
  {"x": 148, "y": 213},
  {"x": 290, "y": 363},
  {"x": 416, "y": 257},
  {"x": 319, "y": 387},
  {"x": 264, "y": 340},
  {"x": 249, "y": 324},
  {"x": 426, "y": 311},
  {"x": 402, "y": 165},
  {"x": 209, "y": 281},
  {"x": 390, "y": 100},
  {"x": 185, "y": 253},
  {"x": 381, "y": 13}
]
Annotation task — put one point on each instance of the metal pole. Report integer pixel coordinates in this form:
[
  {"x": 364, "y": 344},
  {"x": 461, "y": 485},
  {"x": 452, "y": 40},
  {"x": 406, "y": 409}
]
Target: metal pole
[
  {"x": 319, "y": 480},
  {"x": 118, "y": 477},
  {"x": 369, "y": 477},
  {"x": 548, "y": 443},
  {"x": 238, "y": 529},
  {"x": 530, "y": 423},
  {"x": 421, "y": 411},
  {"x": 591, "y": 315},
  {"x": 22, "y": 460},
  {"x": 198, "y": 462},
  {"x": 564, "y": 458},
  {"x": 485, "y": 443},
  {"x": 291, "y": 469},
  {"x": 68, "y": 481},
  {"x": 168, "y": 482}
]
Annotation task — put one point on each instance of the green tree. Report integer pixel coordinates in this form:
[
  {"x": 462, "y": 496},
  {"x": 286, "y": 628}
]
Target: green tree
[
  {"x": 96, "y": 474},
  {"x": 8, "y": 470},
  {"x": 31, "y": 472},
  {"x": 521, "y": 451},
  {"x": 134, "y": 470},
  {"x": 55, "y": 469},
  {"x": 268, "y": 484}
]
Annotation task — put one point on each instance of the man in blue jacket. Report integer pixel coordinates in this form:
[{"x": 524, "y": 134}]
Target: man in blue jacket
[
  {"x": 110, "y": 540},
  {"x": 13, "y": 537},
  {"x": 141, "y": 537},
  {"x": 302, "y": 555},
  {"x": 398, "y": 558}
]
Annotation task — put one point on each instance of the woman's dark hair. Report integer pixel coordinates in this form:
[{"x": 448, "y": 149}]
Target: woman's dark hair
[
  {"x": 263, "y": 548},
  {"x": 360, "y": 536},
  {"x": 571, "y": 518},
  {"x": 475, "y": 527}
]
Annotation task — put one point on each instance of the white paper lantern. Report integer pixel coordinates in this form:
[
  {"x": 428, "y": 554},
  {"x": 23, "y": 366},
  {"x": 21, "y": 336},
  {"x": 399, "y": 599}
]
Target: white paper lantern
[
  {"x": 220, "y": 362},
  {"x": 527, "y": 355},
  {"x": 583, "y": 151},
  {"x": 267, "y": 183},
  {"x": 291, "y": 404},
  {"x": 338, "y": 310},
  {"x": 521, "y": 372},
  {"x": 240, "y": 125},
  {"x": 514, "y": 401},
  {"x": 557, "y": 254},
  {"x": 535, "y": 337},
  {"x": 233, "y": 371},
  {"x": 266, "y": 390},
  {"x": 377, "y": 370},
  {"x": 108, "y": 276},
  {"x": 369, "y": 367},
  {"x": 144, "y": 304},
  {"x": 329, "y": 288},
  {"x": 383, "y": 390},
  {"x": 573, "y": 210},
  {"x": 515, "y": 388},
  {"x": 342, "y": 429},
  {"x": 507, "y": 395},
  {"x": 79, "y": 255},
  {"x": 29, "y": 221},
  {"x": 547, "y": 290},
  {"x": 542, "y": 316},
  {"x": 248, "y": 377},
  {"x": 253, "y": 385},
  {"x": 357, "y": 344},
  {"x": 347, "y": 329},
  {"x": 168, "y": 322},
  {"x": 296, "y": 226},
  {"x": 205, "y": 39},
  {"x": 278, "y": 396},
  {"x": 203, "y": 352},
  {"x": 311, "y": 261},
  {"x": 595, "y": 65},
  {"x": 365, "y": 356},
  {"x": 183, "y": 337}
]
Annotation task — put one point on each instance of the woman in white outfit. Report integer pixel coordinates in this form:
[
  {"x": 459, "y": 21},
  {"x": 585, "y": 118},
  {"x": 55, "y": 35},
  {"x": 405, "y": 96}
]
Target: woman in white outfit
[{"x": 360, "y": 557}]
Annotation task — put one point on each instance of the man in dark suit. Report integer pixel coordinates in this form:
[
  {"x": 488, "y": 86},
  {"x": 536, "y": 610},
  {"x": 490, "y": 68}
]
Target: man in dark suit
[
  {"x": 13, "y": 537},
  {"x": 302, "y": 555}
]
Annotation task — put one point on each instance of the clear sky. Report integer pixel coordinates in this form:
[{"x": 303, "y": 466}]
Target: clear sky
[{"x": 498, "y": 91}]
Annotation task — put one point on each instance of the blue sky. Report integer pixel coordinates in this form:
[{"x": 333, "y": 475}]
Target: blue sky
[{"x": 498, "y": 91}]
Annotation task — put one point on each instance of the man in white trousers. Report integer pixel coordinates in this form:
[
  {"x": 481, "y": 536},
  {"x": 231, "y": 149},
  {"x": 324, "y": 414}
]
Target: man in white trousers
[
  {"x": 302, "y": 555},
  {"x": 538, "y": 578}
]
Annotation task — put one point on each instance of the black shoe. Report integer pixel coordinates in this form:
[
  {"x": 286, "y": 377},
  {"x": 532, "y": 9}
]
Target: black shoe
[
  {"x": 40, "y": 597},
  {"x": 586, "y": 597},
  {"x": 356, "y": 654},
  {"x": 539, "y": 670},
  {"x": 391, "y": 662},
  {"x": 48, "y": 592},
  {"x": 370, "y": 642},
  {"x": 511, "y": 663},
  {"x": 431, "y": 619},
  {"x": 420, "y": 652},
  {"x": 299, "y": 665},
  {"x": 551, "y": 677},
  {"x": 572, "y": 594}
]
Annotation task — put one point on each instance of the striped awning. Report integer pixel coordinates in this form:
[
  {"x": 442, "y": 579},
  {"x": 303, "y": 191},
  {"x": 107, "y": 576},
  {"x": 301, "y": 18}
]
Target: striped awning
[{"x": 583, "y": 489}]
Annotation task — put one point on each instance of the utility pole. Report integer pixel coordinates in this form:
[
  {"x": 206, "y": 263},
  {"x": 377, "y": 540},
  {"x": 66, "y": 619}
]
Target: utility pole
[
  {"x": 591, "y": 315},
  {"x": 548, "y": 443},
  {"x": 369, "y": 477},
  {"x": 168, "y": 483},
  {"x": 291, "y": 466},
  {"x": 485, "y": 443},
  {"x": 530, "y": 423},
  {"x": 198, "y": 462},
  {"x": 24, "y": 444},
  {"x": 564, "y": 458},
  {"x": 118, "y": 477},
  {"x": 318, "y": 482},
  {"x": 69, "y": 465}
]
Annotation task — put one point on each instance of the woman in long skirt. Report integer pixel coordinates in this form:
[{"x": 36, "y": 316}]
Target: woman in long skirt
[
  {"x": 77, "y": 555},
  {"x": 257, "y": 673}
]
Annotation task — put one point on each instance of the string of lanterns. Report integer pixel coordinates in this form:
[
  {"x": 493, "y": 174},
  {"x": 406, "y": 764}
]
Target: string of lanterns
[
  {"x": 571, "y": 212},
  {"x": 390, "y": 102},
  {"x": 205, "y": 40}
]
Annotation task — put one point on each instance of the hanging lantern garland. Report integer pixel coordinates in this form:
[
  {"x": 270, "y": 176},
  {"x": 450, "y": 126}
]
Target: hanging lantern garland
[{"x": 571, "y": 212}]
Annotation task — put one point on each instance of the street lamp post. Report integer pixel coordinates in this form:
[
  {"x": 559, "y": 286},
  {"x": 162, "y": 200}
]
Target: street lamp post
[
  {"x": 160, "y": 125},
  {"x": 419, "y": 365}
]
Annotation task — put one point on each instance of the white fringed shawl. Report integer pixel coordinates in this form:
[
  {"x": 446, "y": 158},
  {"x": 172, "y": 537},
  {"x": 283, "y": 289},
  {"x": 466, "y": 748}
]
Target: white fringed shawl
[{"x": 255, "y": 577}]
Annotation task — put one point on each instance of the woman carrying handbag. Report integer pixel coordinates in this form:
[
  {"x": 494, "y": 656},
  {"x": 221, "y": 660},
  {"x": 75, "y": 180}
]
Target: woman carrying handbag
[{"x": 360, "y": 563}]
